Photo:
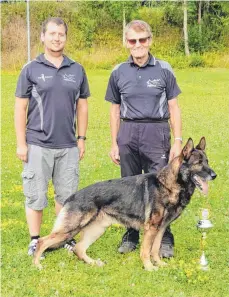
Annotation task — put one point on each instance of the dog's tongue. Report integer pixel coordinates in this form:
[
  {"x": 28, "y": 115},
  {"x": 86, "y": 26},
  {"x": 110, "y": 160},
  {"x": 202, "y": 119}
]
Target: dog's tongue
[{"x": 204, "y": 185}]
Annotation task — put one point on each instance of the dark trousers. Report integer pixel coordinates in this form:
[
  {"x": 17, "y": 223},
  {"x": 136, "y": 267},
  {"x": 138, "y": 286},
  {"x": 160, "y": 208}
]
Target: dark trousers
[{"x": 143, "y": 147}]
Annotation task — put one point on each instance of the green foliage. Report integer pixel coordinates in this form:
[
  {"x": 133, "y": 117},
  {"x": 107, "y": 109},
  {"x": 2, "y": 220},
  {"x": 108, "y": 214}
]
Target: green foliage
[
  {"x": 174, "y": 13},
  {"x": 96, "y": 27},
  {"x": 115, "y": 9},
  {"x": 196, "y": 61},
  {"x": 199, "y": 40},
  {"x": 211, "y": 34},
  {"x": 87, "y": 27},
  {"x": 204, "y": 112},
  {"x": 178, "y": 61},
  {"x": 153, "y": 16}
]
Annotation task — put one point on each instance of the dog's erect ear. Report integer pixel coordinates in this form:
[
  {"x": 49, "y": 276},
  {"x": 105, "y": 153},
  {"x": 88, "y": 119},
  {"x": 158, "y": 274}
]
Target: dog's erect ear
[
  {"x": 202, "y": 144},
  {"x": 176, "y": 164},
  {"x": 188, "y": 148},
  {"x": 168, "y": 175}
]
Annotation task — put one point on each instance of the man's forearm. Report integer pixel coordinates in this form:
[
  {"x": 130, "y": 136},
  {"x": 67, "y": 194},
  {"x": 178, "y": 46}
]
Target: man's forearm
[
  {"x": 114, "y": 122},
  {"x": 82, "y": 118},
  {"x": 175, "y": 118},
  {"x": 20, "y": 125},
  {"x": 175, "y": 121}
]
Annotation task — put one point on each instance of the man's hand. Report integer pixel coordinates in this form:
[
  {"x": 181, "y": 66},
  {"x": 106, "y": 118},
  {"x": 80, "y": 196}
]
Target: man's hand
[
  {"x": 81, "y": 147},
  {"x": 175, "y": 150},
  {"x": 22, "y": 153},
  {"x": 114, "y": 154}
]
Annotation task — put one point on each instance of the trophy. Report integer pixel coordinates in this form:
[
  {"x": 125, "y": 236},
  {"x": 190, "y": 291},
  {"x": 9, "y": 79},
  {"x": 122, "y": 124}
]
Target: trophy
[{"x": 204, "y": 225}]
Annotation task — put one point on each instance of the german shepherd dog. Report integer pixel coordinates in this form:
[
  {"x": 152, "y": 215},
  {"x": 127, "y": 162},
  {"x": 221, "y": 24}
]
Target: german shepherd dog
[{"x": 151, "y": 201}]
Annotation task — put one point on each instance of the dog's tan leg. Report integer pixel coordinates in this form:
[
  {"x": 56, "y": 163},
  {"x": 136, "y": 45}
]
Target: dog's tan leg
[
  {"x": 146, "y": 246},
  {"x": 46, "y": 242},
  {"x": 89, "y": 235},
  {"x": 167, "y": 220},
  {"x": 156, "y": 247}
]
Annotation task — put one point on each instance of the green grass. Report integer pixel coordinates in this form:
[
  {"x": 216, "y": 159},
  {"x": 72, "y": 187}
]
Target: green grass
[{"x": 204, "y": 104}]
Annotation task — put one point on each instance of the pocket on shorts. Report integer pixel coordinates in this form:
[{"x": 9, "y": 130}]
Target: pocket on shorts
[{"x": 29, "y": 183}]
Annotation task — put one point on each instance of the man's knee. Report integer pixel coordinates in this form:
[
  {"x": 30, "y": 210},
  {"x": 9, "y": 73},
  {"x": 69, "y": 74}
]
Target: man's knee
[
  {"x": 36, "y": 202},
  {"x": 67, "y": 186}
]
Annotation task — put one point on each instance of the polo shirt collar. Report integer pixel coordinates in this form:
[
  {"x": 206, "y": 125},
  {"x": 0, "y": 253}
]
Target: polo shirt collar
[
  {"x": 151, "y": 61},
  {"x": 66, "y": 62}
]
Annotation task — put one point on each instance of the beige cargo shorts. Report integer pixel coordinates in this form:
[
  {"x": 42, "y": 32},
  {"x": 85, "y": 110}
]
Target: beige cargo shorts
[{"x": 44, "y": 164}]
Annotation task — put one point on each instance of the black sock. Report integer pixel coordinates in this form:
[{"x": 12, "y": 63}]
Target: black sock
[{"x": 35, "y": 237}]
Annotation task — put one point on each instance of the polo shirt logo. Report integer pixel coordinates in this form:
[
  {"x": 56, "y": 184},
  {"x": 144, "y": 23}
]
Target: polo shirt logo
[
  {"x": 153, "y": 83},
  {"x": 69, "y": 77},
  {"x": 43, "y": 77}
]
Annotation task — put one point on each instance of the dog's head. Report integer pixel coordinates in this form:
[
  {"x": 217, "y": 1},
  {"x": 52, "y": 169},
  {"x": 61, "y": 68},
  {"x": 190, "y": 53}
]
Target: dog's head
[
  {"x": 195, "y": 165},
  {"x": 191, "y": 165}
]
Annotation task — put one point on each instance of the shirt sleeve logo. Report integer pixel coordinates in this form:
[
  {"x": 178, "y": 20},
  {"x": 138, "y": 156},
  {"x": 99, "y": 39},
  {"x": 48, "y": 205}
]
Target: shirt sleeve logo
[
  {"x": 69, "y": 77},
  {"x": 153, "y": 83}
]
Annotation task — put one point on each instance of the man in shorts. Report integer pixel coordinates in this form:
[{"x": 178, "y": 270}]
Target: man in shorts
[{"x": 51, "y": 94}]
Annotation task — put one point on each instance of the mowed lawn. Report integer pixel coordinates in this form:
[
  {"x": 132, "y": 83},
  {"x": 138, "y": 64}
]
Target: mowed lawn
[{"x": 204, "y": 105}]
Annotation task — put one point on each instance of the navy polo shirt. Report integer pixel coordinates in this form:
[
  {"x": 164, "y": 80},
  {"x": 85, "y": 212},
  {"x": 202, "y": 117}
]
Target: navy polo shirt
[
  {"x": 143, "y": 92},
  {"x": 53, "y": 94}
]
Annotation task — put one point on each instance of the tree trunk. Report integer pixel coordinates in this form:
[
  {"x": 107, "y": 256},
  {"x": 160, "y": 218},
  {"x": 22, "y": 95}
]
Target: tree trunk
[
  {"x": 123, "y": 26},
  {"x": 185, "y": 28},
  {"x": 200, "y": 16}
]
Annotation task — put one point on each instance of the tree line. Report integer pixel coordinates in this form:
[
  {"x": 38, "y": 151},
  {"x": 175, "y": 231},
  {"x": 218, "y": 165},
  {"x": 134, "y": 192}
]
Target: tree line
[{"x": 186, "y": 26}]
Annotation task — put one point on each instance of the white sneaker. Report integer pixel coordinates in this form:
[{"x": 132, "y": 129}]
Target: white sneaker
[{"x": 32, "y": 248}]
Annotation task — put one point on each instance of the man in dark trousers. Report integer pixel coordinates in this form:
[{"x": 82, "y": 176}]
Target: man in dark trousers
[
  {"x": 51, "y": 94},
  {"x": 143, "y": 94}
]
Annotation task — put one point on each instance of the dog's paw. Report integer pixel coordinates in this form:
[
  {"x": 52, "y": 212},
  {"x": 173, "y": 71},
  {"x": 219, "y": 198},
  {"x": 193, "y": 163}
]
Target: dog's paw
[
  {"x": 161, "y": 263},
  {"x": 39, "y": 266},
  {"x": 99, "y": 263},
  {"x": 150, "y": 267},
  {"x": 36, "y": 263}
]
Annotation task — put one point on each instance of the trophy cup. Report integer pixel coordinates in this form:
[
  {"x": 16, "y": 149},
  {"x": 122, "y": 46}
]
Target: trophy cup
[{"x": 204, "y": 225}]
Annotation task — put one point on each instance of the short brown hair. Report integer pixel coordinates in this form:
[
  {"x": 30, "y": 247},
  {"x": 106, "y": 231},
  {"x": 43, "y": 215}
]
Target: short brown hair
[
  {"x": 138, "y": 26},
  {"x": 55, "y": 20}
]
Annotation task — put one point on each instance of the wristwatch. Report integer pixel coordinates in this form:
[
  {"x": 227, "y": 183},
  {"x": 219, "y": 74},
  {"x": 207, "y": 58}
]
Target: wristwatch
[
  {"x": 178, "y": 138},
  {"x": 82, "y": 137}
]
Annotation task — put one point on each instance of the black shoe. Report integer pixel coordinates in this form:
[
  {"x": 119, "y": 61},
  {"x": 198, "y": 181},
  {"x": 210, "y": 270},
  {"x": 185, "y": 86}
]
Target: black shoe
[
  {"x": 70, "y": 244},
  {"x": 167, "y": 244},
  {"x": 129, "y": 241}
]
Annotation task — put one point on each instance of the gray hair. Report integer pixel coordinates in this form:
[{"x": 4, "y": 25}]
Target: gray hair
[
  {"x": 55, "y": 20},
  {"x": 138, "y": 26}
]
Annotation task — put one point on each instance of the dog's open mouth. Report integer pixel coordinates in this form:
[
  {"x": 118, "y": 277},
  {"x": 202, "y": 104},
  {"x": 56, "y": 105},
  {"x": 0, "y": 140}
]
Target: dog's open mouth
[{"x": 200, "y": 184}]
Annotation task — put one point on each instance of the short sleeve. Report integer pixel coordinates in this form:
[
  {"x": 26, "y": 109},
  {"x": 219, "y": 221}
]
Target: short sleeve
[
  {"x": 172, "y": 88},
  {"x": 84, "y": 88},
  {"x": 112, "y": 93},
  {"x": 24, "y": 85}
]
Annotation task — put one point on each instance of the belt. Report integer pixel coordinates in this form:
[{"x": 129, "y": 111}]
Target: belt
[{"x": 146, "y": 120}]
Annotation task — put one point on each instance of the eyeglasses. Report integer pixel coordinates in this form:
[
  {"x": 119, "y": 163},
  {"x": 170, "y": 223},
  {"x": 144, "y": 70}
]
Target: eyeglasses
[{"x": 140, "y": 40}]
